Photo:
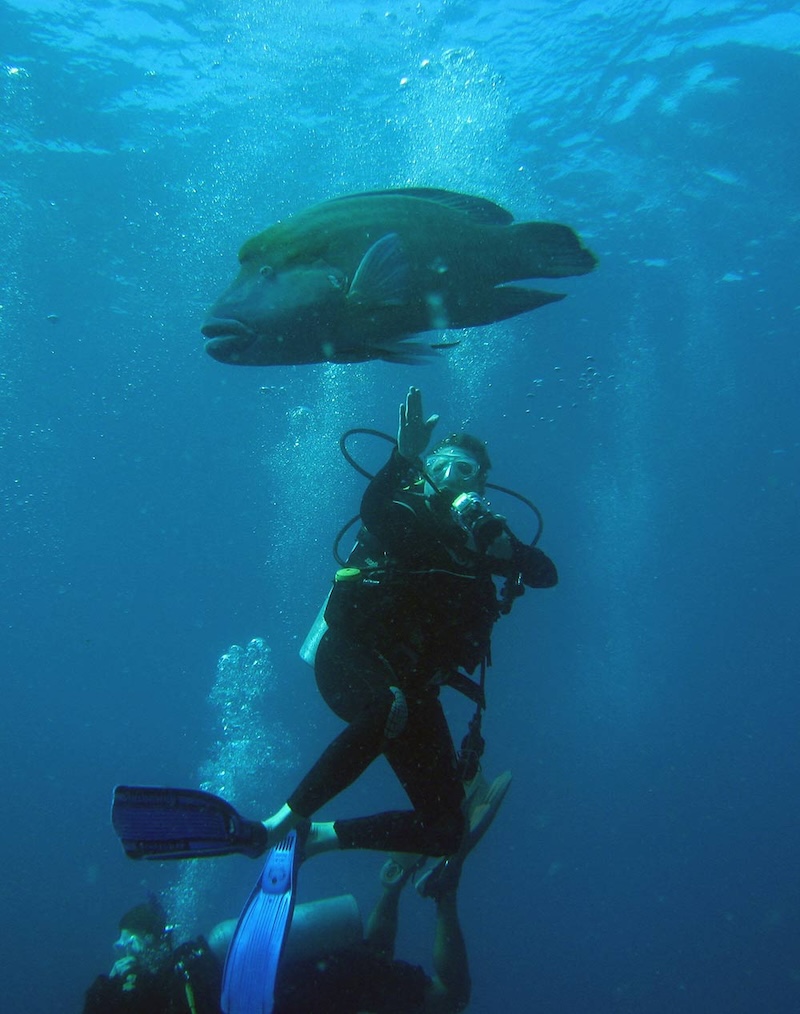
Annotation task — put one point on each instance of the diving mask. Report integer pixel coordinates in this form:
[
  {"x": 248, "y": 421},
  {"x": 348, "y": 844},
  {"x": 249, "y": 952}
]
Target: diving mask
[
  {"x": 453, "y": 469},
  {"x": 130, "y": 944}
]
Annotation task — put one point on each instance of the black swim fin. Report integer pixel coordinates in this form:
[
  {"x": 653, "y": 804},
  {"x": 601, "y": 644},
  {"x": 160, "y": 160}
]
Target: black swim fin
[{"x": 165, "y": 823}]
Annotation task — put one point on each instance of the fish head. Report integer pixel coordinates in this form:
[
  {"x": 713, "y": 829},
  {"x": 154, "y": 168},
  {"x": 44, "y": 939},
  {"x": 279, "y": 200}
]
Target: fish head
[{"x": 276, "y": 317}]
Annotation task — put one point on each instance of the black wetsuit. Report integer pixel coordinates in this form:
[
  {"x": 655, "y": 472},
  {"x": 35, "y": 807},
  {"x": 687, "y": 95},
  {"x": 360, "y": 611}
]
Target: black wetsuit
[
  {"x": 189, "y": 981},
  {"x": 421, "y": 608},
  {"x": 350, "y": 981}
]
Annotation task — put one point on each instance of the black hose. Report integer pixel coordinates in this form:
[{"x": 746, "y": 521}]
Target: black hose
[{"x": 368, "y": 475}]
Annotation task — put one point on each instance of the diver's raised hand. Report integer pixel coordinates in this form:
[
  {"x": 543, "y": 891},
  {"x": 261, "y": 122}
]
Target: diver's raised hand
[{"x": 414, "y": 432}]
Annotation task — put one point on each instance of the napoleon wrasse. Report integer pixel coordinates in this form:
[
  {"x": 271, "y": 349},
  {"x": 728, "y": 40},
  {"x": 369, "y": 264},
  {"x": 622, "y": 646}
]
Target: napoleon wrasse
[{"x": 355, "y": 278}]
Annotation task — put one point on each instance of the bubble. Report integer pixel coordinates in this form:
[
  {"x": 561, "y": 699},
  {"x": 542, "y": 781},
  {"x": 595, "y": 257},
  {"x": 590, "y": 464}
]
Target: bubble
[{"x": 251, "y": 748}]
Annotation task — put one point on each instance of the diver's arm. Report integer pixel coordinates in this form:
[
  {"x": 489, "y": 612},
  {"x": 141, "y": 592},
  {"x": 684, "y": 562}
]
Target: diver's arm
[
  {"x": 389, "y": 511},
  {"x": 397, "y": 473},
  {"x": 509, "y": 556},
  {"x": 536, "y": 567},
  {"x": 402, "y": 468},
  {"x": 496, "y": 547},
  {"x": 103, "y": 996}
]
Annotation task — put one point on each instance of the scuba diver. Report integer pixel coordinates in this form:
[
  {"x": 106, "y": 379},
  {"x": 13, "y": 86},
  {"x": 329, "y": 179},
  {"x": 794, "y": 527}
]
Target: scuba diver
[
  {"x": 150, "y": 977},
  {"x": 413, "y": 610}
]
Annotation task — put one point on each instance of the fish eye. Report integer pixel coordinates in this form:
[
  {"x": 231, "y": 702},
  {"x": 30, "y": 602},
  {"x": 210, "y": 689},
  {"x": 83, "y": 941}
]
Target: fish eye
[{"x": 267, "y": 271}]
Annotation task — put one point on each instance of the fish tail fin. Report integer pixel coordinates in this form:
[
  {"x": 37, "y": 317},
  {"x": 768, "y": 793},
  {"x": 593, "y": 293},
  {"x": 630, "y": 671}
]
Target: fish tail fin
[
  {"x": 500, "y": 303},
  {"x": 548, "y": 250}
]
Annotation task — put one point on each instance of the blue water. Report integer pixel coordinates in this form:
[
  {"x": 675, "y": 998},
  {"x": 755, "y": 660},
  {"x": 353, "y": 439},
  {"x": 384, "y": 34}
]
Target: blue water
[{"x": 159, "y": 508}]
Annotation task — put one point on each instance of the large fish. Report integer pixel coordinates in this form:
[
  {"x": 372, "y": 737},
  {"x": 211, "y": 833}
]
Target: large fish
[{"x": 356, "y": 277}]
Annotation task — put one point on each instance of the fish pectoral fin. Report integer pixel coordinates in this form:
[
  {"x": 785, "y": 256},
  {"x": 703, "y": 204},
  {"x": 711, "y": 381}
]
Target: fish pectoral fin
[
  {"x": 391, "y": 349},
  {"x": 354, "y": 355},
  {"x": 381, "y": 278},
  {"x": 401, "y": 349}
]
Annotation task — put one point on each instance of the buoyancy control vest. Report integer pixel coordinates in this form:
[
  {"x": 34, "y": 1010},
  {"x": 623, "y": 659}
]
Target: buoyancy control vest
[{"x": 437, "y": 618}]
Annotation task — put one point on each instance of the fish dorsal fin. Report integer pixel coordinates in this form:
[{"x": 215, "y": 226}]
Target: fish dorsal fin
[
  {"x": 381, "y": 278},
  {"x": 478, "y": 208}
]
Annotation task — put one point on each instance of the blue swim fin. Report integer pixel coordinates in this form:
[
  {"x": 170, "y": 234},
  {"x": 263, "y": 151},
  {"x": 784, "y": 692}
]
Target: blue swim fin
[
  {"x": 162, "y": 823},
  {"x": 251, "y": 967}
]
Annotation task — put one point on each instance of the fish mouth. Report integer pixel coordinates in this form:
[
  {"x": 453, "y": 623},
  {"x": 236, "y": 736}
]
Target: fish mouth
[{"x": 227, "y": 340}]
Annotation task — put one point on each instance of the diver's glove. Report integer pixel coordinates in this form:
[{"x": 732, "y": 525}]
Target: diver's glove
[{"x": 471, "y": 512}]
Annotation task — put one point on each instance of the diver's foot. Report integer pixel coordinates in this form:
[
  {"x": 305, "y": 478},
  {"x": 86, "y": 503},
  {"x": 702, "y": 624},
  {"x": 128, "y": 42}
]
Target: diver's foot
[
  {"x": 442, "y": 879},
  {"x": 280, "y": 824},
  {"x": 313, "y": 838},
  {"x": 321, "y": 838},
  {"x": 482, "y": 808},
  {"x": 397, "y": 869}
]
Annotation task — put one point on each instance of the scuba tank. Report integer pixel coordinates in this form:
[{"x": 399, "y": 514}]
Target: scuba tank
[
  {"x": 318, "y": 927},
  {"x": 308, "y": 649}
]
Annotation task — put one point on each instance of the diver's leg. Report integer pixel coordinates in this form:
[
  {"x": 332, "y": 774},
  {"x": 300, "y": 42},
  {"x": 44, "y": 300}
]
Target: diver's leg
[
  {"x": 354, "y": 683},
  {"x": 350, "y": 676},
  {"x": 450, "y": 989},
  {"x": 347, "y": 757},
  {"x": 382, "y": 923},
  {"x": 424, "y": 760},
  {"x": 341, "y": 763}
]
